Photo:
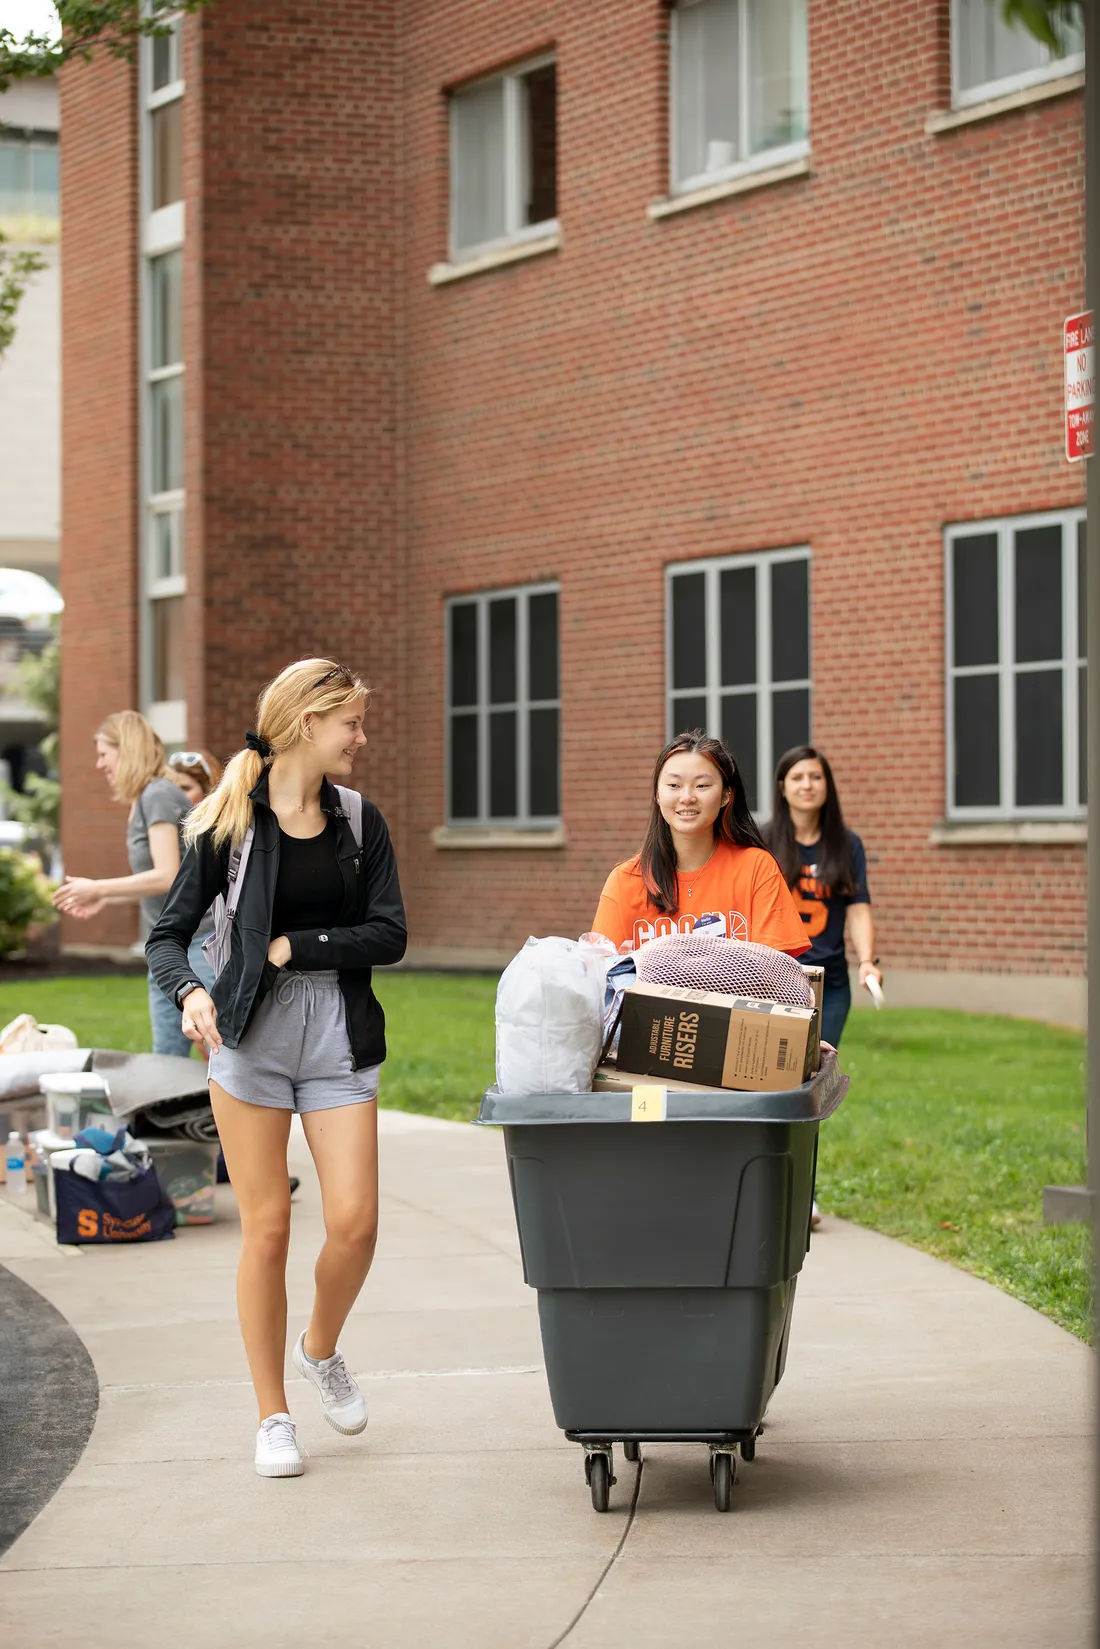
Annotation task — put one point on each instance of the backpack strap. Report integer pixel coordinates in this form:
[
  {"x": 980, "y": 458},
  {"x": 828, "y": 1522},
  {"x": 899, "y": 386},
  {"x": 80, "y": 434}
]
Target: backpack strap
[
  {"x": 352, "y": 803},
  {"x": 237, "y": 862}
]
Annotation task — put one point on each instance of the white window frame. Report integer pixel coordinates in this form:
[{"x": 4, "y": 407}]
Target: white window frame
[
  {"x": 514, "y": 136},
  {"x": 764, "y": 159},
  {"x": 524, "y": 819},
  {"x": 713, "y": 692},
  {"x": 965, "y": 98},
  {"x": 162, "y": 231},
  {"x": 1006, "y": 668}
]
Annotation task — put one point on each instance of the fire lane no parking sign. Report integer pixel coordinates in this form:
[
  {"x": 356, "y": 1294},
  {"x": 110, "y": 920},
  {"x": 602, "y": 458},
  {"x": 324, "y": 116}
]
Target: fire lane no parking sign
[{"x": 1078, "y": 347}]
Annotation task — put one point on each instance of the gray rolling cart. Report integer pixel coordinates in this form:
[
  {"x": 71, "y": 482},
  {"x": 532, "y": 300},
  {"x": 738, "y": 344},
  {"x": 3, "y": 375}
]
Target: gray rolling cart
[{"x": 664, "y": 1232}]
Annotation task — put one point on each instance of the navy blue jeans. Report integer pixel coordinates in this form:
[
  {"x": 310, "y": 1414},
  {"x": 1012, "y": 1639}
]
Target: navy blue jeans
[{"x": 835, "y": 1002}]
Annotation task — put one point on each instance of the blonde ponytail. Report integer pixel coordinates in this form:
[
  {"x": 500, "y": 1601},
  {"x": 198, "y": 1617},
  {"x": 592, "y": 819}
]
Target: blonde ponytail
[{"x": 312, "y": 685}]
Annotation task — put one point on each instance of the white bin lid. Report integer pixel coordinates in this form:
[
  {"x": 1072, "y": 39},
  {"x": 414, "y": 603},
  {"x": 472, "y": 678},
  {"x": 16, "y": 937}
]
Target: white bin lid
[{"x": 74, "y": 1082}]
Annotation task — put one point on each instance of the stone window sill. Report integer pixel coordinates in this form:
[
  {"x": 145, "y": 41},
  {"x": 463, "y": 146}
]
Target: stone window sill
[
  {"x": 946, "y": 120},
  {"x": 467, "y": 837},
  {"x": 739, "y": 185},
  {"x": 1009, "y": 832},
  {"x": 443, "y": 274}
]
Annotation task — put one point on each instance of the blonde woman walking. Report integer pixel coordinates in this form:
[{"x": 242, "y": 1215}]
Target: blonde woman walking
[
  {"x": 130, "y": 756},
  {"x": 292, "y": 1023}
]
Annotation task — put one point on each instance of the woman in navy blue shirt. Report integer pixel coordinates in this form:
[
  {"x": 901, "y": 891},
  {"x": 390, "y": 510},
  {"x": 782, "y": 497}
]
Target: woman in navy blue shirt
[{"x": 826, "y": 870}]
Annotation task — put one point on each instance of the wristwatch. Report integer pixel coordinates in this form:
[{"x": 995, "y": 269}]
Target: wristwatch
[{"x": 191, "y": 985}]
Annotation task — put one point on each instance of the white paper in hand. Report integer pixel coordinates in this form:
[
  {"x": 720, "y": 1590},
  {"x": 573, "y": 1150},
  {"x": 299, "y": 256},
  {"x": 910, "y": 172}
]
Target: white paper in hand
[{"x": 875, "y": 989}]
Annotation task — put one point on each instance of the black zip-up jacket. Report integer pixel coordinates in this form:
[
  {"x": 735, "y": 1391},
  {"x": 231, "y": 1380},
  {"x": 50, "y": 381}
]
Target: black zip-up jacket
[{"x": 370, "y": 929}]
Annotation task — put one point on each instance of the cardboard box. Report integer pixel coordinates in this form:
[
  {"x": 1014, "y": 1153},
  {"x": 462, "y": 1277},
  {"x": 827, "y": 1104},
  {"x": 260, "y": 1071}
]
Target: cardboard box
[
  {"x": 816, "y": 977},
  {"x": 713, "y": 1040},
  {"x": 610, "y": 1079}
]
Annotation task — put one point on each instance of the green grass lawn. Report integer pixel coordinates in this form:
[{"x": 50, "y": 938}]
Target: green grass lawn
[{"x": 953, "y": 1125}]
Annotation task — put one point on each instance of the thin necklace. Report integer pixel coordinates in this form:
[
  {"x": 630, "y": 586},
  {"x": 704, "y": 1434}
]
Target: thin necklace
[{"x": 693, "y": 875}]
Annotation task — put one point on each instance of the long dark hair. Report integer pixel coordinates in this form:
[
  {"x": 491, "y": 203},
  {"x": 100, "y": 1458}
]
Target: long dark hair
[
  {"x": 834, "y": 862},
  {"x": 734, "y": 824}
]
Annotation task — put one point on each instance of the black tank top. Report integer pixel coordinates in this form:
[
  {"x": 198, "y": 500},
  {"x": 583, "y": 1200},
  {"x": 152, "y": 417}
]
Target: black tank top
[{"x": 309, "y": 889}]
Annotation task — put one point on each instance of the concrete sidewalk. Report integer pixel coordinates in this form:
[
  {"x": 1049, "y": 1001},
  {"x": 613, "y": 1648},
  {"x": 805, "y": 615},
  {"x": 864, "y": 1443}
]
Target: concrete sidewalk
[{"x": 923, "y": 1479}]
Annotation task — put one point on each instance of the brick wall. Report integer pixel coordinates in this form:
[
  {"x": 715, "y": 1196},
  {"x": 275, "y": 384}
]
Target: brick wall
[
  {"x": 850, "y": 360},
  {"x": 99, "y": 371}
]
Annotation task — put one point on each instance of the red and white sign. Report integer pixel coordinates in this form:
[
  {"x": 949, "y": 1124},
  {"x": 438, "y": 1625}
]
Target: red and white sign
[{"x": 1079, "y": 353}]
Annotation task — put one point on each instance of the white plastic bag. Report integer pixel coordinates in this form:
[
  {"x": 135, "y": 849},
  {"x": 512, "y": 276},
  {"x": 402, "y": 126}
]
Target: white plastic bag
[
  {"x": 24, "y": 1035},
  {"x": 550, "y": 1003}
]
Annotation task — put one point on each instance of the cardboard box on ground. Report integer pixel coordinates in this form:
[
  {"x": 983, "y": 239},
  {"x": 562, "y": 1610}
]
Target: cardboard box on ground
[{"x": 707, "y": 1039}]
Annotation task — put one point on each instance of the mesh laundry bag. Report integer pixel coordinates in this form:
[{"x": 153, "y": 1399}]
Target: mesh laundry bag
[{"x": 733, "y": 966}]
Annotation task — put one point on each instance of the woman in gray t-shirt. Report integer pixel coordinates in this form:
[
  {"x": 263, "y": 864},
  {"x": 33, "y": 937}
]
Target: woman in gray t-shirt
[{"x": 130, "y": 756}]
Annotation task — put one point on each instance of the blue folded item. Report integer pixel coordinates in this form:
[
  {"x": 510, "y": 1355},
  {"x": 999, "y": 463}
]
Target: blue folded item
[{"x": 98, "y": 1139}]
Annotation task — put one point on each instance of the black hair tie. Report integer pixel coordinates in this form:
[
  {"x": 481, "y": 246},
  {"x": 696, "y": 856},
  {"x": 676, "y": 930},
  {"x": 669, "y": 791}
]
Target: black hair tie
[{"x": 253, "y": 741}]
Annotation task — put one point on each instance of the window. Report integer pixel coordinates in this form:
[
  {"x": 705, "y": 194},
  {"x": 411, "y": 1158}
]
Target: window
[
  {"x": 1016, "y": 668},
  {"x": 739, "y": 87},
  {"x": 739, "y": 657},
  {"x": 28, "y": 174},
  {"x": 504, "y": 709},
  {"x": 163, "y": 579},
  {"x": 504, "y": 158},
  {"x": 990, "y": 57}
]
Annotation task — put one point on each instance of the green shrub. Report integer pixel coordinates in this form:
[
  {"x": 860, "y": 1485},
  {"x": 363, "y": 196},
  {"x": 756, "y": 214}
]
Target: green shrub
[{"x": 24, "y": 899}]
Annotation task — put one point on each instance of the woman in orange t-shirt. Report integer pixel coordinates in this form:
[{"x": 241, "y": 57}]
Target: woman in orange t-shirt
[{"x": 702, "y": 855}]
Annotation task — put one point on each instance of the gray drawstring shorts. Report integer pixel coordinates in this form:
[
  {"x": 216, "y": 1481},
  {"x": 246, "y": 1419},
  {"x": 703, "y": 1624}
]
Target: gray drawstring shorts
[{"x": 295, "y": 1055}]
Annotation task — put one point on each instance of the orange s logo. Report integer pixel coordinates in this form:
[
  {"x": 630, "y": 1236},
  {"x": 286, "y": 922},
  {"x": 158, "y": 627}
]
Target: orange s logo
[
  {"x": 810, "y": 895},
  {"x": 87, "y": 1223}
]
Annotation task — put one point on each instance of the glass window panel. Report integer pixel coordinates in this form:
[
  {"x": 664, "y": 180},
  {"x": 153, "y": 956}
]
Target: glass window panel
[
  {"x": 166, "y": 69},
  {"x": 167, "y": 434},
  {"x": 1039, "y": 594},
  {"x": 1082, "y": 735},
  {"x": 1039, "y": 780},
  {"x": 1082, "y": 592},
  {"x": 988, "y": 49},
  {"x": 166, "y": 277},
  {"x": 166, "y": 533},
  {"x": 689, "y": 651},
  {"x": 464, "y": 787},
  {"x": 778, "y": 101},
  {"x": 542, "y": 646},
  {"x": 502, "y": 651},
  {"x": 688, "y": 714},
  {"x": 503, "y": 765},
  {"x": 739, "y": 732},
  {"x": 543, "y": 763},
  {"x": 977, "y": 742},
  {"x": 45, "y": 179},
  {"x": 14, "y": 178},
  {"x": 539, "y": 93},
  {"x": 790, "y": 720},
  {"x": 478, "y": 165},
  {"x": 737, "y": 602},
  {"x": 167, "y": 125},
  {"x": 706, "y": 73},
  {"x": 169, "y": 674},
  {"x": 974, "y": 580},
  {"x": 790, "y": 620},
  {"x": 463, "y": 653}
]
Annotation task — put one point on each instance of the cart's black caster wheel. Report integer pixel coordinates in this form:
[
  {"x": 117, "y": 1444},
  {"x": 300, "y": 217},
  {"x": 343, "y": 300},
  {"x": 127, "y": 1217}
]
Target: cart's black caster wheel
[
  {"x": 748, "y": 1448},
  {"x": 631, "y": 1450},
  {"x": 599, "y": 1481},
  {"x": 723, "y": 1476}
]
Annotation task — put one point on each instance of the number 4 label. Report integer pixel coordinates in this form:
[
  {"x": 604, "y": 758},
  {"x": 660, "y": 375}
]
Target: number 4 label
[{"x": 648, "y": 1104}]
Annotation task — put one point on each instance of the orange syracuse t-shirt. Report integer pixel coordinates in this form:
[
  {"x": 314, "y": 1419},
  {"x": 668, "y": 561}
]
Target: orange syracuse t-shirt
[{"x": 743, "y": 885}]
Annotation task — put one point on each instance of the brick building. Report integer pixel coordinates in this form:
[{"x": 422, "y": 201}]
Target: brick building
[{"x": 582, "y": 372}]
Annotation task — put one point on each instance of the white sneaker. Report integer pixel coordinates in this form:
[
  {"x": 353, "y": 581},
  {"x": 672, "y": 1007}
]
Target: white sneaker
[
  {"x": 278, "y": 1451},
  {"x": 342, "y": 1403}
]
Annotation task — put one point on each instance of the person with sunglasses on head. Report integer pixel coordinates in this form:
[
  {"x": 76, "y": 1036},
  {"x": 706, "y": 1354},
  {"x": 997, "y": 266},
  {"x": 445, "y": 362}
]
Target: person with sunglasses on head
[
  {"x": 702, "y": 856},
  {"x": 292, "y": 1023},
  {"x": 196, "y": 772},
  {"x": 130, "y": 755}
]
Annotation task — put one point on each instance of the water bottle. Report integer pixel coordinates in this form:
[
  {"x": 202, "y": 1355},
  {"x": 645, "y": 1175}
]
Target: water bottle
[{"x": 17, "y": 1165}]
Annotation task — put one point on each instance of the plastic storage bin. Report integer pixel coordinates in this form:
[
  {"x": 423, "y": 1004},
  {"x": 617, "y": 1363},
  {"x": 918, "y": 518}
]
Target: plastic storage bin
[
  {"x": 187, "y": 1169},
  {"x": 665, "y": 1255},
  {"x": 76, "y": 1100}
]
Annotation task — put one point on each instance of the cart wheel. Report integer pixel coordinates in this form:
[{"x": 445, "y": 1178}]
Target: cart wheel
[
  {"x": 748, "y": 1448},
  {"x": 631, "y": 1449},
  {"x": 723, "y": 1474},
  {"x": 599, "y": 1480}
]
